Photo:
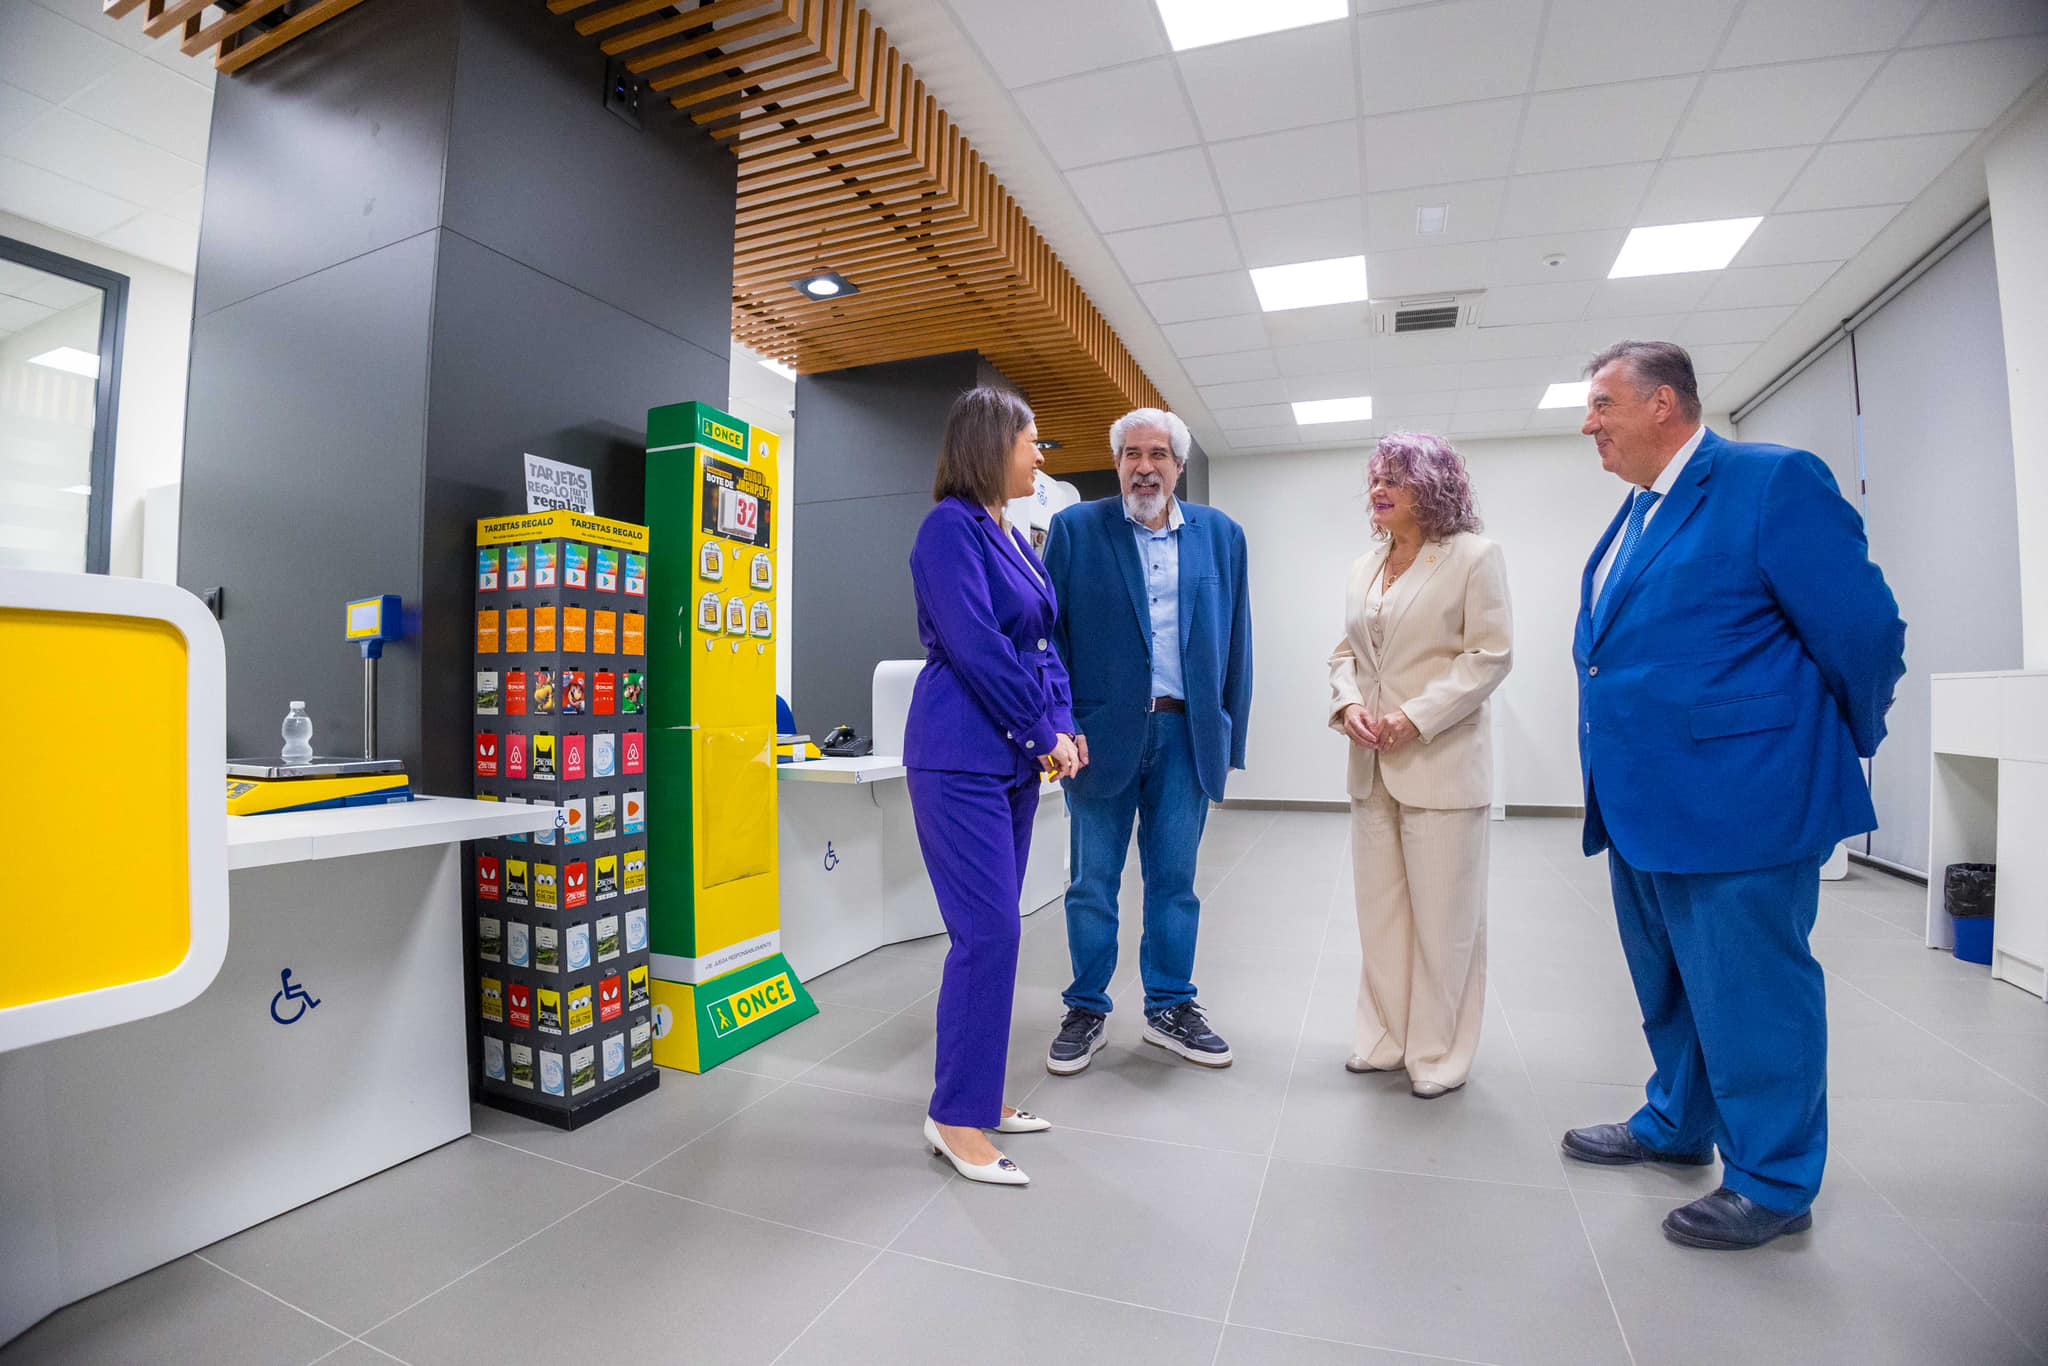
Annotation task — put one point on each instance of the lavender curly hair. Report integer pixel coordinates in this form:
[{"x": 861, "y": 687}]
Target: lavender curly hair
[{"x": 1433, "y": 468}]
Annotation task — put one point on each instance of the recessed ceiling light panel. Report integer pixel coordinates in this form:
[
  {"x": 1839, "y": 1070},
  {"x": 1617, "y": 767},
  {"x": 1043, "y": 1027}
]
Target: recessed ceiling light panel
[
  {"x": 71, "y": 360},
  {"x": 1200, "y": 23},
  {"x": 1570, "y": 394},
  {"x": 1307, "y": 284},
  {"x": 1678, "y": 248},
  {"x": 826, "y": 284},
  {"x": 786, "y": 371},
  {"x": 1357, "y": 409}
]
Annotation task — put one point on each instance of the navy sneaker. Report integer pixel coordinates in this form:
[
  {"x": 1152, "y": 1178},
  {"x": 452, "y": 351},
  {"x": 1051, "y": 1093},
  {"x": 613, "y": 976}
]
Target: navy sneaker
[
  {"x": 1185, "y": 1030},
  {"x": 1082, "y": 1035}
]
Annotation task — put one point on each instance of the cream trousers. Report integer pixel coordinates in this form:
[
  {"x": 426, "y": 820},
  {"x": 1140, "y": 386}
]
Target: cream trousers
[{"x": 1421, "y": 884}]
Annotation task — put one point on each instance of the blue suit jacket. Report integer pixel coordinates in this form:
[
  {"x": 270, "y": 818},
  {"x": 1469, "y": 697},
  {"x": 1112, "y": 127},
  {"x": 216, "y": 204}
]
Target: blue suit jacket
[
  {"x": 1738, "y": 666},
  {"x": 992, "y": 697},
  {"x": 1105, "y": 637}
]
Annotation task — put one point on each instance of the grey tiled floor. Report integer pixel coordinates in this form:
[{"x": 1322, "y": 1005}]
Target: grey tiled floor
[{"x": 1281, "y": 1213}]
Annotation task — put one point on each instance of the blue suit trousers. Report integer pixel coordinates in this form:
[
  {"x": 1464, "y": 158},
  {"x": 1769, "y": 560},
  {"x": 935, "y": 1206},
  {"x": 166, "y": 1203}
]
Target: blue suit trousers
[
  {"x": 975, "y": 831},
  {"x": 1735, "y": 1010}
]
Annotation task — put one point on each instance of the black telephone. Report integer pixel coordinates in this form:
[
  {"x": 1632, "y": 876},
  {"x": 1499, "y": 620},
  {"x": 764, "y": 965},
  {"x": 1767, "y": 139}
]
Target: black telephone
[{"x": 842, "y": 743}]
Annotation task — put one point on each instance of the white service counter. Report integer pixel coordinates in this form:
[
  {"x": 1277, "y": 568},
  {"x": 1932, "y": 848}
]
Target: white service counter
[
  {"x": 123, "y": 1149},
  {"x": 853, "y": 878}
]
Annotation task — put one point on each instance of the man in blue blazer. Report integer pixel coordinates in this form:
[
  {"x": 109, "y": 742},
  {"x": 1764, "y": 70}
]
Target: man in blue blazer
[
  {"x": 1737, "y": 651},
  {"x": 1155, "y": 629}
]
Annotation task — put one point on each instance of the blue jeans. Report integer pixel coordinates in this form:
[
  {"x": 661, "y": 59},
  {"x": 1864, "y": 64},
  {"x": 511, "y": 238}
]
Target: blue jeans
[
  {"x": 1735, "y": 1011},
  {"x": 1166, "y": 799}
]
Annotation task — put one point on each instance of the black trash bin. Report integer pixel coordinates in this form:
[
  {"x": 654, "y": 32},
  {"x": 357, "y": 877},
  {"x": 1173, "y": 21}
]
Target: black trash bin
[{"x": 1969, "y": 894}]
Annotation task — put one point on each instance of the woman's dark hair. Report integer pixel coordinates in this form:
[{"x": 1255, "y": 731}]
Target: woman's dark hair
[{"x": 974, "y": 456}]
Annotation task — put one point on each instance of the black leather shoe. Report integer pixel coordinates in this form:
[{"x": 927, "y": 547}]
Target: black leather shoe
[
  {"x": 1727, "y": 1222},
  {"x": 1615, "y": 1145}
]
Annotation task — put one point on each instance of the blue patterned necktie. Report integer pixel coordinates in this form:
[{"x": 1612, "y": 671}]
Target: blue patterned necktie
[{"x": 1638, "y": 514}]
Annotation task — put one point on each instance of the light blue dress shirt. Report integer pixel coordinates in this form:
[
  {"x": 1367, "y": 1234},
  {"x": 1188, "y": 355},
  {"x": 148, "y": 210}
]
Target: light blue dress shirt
[{"x": 1159, "y": 558}]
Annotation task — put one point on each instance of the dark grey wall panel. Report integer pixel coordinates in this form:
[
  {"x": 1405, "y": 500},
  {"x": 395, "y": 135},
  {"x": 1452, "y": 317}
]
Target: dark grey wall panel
[
  {"x": 1094, "y": 484},
  {"x": 523, "y": 362},
  {"x": 641, "y": 218},
  {"x": 854, "y": 602},
  {"x": 1194, "y": 480},
  {"x": 875, "y": 429},
  {"x": 330, "y": 148},
  {"x": 301, "y": 489}
]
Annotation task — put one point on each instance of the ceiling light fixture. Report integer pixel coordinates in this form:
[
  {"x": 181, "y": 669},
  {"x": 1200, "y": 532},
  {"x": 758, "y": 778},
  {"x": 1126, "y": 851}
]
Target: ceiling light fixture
[
  {"x": 1051, "y": 446},
  {"x": 1569, "y": 394},
  {"x": 1431, "y": 219},
  {"x": 1679, "y": 248},
  {"x": 71, "y": 360},
  {"x": 786, "y": 371},
  {"x": 1333, "y": 410},
  {"x": 1307, "y": 284},
  {"x": 1201, "y": 23},
  {"x": 826, "y": 284},
  {"x": 82, "y": 490}
]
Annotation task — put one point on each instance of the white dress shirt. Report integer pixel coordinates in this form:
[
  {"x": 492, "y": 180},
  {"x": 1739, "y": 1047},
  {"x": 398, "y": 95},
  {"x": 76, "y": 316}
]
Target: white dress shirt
[{"x": 1665, "y": 482}]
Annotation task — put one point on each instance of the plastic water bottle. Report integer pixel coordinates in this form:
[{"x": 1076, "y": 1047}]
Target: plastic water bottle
[{"x": 298, "y": 735}]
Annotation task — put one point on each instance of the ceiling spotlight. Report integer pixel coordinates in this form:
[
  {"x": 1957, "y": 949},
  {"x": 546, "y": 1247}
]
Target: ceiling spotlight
[
  {"x": 826, "y": 284},
  {"x": 1051, "y": 445},
  {"x": 71, "y": 360},
  {"x": 1570, "y": 394}
]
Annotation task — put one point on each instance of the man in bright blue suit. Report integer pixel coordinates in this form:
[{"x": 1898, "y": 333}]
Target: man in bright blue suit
[
  {"x": 1737, "y": 651},
  {"x": 1155, "y": 629}
]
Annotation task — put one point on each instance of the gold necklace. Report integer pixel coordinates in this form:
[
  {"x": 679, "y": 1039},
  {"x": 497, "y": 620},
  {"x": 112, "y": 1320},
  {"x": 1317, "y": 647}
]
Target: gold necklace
[{"x": 1394, "y": 575}]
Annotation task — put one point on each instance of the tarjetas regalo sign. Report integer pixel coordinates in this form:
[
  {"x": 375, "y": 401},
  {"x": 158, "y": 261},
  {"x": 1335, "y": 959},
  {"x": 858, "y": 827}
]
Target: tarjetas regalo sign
[{"x": 552, "y": 486}]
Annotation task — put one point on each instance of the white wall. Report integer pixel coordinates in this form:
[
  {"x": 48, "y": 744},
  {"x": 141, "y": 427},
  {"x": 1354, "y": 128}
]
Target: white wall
[
  {"x": 1545, "y": 499},
  {"x": 149, "y": 426},
  {"x": 2016, "y": 170}
]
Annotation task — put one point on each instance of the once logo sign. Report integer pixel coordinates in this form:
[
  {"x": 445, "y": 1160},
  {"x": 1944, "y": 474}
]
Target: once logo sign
[{"x": 753, "y": 1003}]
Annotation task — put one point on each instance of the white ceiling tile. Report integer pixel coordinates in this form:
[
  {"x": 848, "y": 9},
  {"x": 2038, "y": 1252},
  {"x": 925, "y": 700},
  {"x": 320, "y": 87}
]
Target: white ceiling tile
[
  {"x": 1264, "y": 438},
  {"x": 54, "y": 291},
  {"x": 1288, "y": 168},
  {"x": 1731, "y": 185},
  {"x": 1501, "y": 398},
  {"x": 157, "y": 237},
  {"x": 1537, "y": 303},
  {"x": 1429, "y": 270},
  {"x": 1600, "y": 333},
  {"x": 1258, "y": 415},
  {"x": 1602, "y": 125},
  {"x": 1336, "y": 384},
  {"x": 1418, "y": 379},
  {"x": 1730, "y": 325},
  {"x": 1163, "y": 188},
  {"x": 1788, "y": 30},
  {"x": 1281, "y": 80},
  {"x": 1200, "y": 246},
  {"x": 1525, "y": 339},
  {"x": 1409, "y": 407},
  {"x": 1559, "y": 420},
  {"x": 1946, "y": 89},
  {"x": 150, "y": 102},
  {"x": 1231, "y": 367},
  {"x": 1773, "y": 106},
  {"x": 1200, "y": 296},
  {"x": 1244, "y": 393},
  {"x": 1302, "y": 232},
  {"x": 1047, "y": 39},
  {"x": 49, "y": 56},
  {"x": 1649, "y": 294},
  {"x": 1785, "y": 239},
  {"x": 1765, "y": 286},
  {"x": 187, "y": 204},
  {"x": 1423, "y": 348},
  {"x": 1321, "y": 326},
  {"x": 1110, "y": 115},
  {"x": 1447, "y": 54},
  {"x": 1321, "y": 358},
  {"x": 1491, "y": 424},
  {"x": 1588, "y": 42},
  {"x": 19, "y": 110},
  {"x": 17, "y": 313},
  {"x": 1526, "y": 260},
  {"x": 1212, "y": 336},
  {"x": 1959, "y": 21},
  {"x": 48, "y": 198},
  {"x": 1440, "y": 146},
  {"x": 1473, "y": 212},
  {"x": 1846, "y": 175},
  {"x": 1574, "y": 201},
  {"x": 1520, "y": 370},
  {"x": 93, "y": 154},
  {"x": 1719, "y": 359}
]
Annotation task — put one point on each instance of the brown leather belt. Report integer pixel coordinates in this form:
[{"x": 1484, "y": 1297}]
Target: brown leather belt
[{"x": 1167, "y": 704}]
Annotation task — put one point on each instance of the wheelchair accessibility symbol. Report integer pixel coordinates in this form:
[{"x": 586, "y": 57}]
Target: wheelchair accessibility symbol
[
  {"x": 831, "y": 857},
  {"x": 297, "y": 996}
]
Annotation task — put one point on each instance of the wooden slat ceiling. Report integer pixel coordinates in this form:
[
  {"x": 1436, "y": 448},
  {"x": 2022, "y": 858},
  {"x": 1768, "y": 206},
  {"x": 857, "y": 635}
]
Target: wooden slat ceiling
[{"x": 846, "y": 163}]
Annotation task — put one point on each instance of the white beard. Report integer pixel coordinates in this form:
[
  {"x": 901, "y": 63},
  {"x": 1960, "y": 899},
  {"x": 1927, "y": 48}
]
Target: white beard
[{"x": 1146, "y": 507}]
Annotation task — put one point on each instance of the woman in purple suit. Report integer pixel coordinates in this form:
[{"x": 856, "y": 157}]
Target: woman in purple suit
[{"x": 990, "y": 717}]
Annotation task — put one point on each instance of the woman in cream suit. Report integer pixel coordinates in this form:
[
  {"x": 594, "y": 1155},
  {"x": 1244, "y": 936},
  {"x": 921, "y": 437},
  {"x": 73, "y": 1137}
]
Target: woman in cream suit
[{"x": 1427, "y": 637}]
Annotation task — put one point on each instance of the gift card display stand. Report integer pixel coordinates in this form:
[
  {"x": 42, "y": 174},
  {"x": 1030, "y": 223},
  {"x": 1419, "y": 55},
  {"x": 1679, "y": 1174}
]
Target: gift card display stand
[
  {"x": 560, "y": 974},
  {"x": 721, "y": 984}
]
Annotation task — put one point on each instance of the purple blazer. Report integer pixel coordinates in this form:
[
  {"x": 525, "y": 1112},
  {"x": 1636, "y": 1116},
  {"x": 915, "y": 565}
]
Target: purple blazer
[{"x": 993, "y": 697}]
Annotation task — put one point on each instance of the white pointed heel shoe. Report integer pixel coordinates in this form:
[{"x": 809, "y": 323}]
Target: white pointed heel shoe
[
  {"x": 1023, "y": 1122},
  {"x": 1001, "y": 1172}
]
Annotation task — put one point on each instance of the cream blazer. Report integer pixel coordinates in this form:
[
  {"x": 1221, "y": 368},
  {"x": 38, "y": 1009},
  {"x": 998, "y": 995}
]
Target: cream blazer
[{"x": 1447, "y": 641}]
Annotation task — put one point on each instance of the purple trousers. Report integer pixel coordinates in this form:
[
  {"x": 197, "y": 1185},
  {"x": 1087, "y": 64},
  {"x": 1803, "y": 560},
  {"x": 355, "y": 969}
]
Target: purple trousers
[{"x": 975, "y": 831}]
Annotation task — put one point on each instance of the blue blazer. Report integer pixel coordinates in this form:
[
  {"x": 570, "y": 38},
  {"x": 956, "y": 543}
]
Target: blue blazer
[
  {"x": 1105, "y": 637},
  {"x": 993, "y": 695},
  {"x": 1737, "y": 668}
]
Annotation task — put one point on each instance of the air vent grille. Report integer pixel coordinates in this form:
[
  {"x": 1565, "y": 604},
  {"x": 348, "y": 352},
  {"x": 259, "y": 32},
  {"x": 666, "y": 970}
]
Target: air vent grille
[
  {"x": 1427, "y": 318},
  {"x": 1426, "y": 313}
]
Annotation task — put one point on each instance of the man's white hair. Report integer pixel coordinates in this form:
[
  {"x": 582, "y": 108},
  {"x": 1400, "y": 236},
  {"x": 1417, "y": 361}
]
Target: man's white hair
[{"x": 1170, "y": 423}]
